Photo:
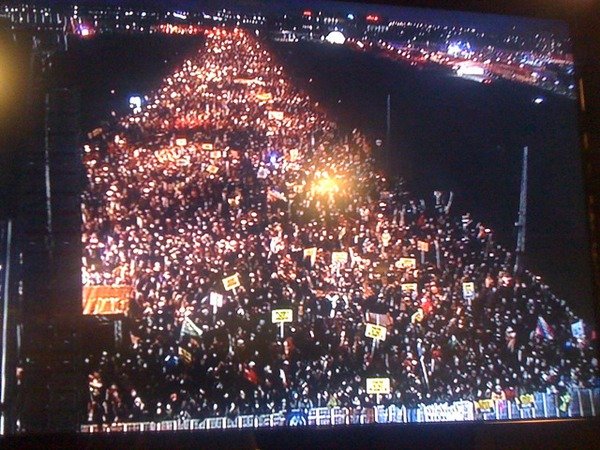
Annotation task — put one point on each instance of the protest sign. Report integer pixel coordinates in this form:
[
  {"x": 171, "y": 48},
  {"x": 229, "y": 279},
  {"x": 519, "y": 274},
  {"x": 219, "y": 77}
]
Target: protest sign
[
  {"x": 231, "y": 282},
  {"x": 281, "y": 315},
  {"x": 406, "y": 263},
  {"x": 377, "y": 332},
  {"x": 378, "y": 386}
]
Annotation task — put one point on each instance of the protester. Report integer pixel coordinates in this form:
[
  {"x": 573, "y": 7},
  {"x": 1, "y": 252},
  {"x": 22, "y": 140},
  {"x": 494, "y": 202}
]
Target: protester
[{"x": 230, "y": 170}]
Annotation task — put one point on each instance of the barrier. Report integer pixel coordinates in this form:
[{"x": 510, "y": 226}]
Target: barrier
[{"x": 579, "y": 403}]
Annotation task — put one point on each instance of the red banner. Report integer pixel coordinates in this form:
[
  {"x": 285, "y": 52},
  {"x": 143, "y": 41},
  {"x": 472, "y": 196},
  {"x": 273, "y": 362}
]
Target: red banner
[{"x": 106, "y": 299}]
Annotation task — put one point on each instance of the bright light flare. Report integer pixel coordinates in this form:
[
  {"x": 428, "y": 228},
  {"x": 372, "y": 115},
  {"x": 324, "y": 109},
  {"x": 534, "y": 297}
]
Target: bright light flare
[
  {"x": 326, "y": 185},
  {"x": 336, "y": 37}
]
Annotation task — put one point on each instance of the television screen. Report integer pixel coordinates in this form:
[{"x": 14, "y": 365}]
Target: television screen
[{"x": 327, "y": 213}]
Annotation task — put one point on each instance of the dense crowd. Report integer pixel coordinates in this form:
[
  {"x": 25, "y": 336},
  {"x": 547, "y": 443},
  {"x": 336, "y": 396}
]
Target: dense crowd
[{"x": 228, "y": 169}]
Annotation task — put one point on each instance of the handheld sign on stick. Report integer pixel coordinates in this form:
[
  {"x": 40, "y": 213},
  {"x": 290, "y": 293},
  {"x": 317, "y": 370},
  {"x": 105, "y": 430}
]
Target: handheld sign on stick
[{"x": 281, "y": 316}]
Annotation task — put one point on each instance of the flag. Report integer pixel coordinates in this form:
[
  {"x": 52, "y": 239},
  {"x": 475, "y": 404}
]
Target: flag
[
  {"x": 190, "y": 328},
  {"x": 417, "y": 316},
  {"x": 185, "y": 355},
  {"x": 544, "y": 329}
]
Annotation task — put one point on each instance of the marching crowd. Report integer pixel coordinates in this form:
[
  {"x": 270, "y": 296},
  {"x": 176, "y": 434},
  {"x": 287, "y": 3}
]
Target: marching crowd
[{"x": 229, "y": 171}]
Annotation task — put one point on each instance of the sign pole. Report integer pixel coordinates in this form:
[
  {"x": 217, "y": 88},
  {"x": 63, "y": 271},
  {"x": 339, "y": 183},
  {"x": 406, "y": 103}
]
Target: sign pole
[{"x": 281, "y": 329}]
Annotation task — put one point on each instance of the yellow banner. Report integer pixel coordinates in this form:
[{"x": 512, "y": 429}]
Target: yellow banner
[
  {"x": 215, "y": 154},
  {"x": 264, "y": 96},
  {"x": 527, "y": 400},
  {"x": 423, "y": 246},
  {"x": 181, "y": 142},
  {"x": 375, "y": 332},
  {"x": 281, "y": 315},
  {"x": 378, "y": 386},
  {"x": 232, "y": 282},
  {"x": 486, "y": 405},
  {"x": 106, "y": 299},
  {"x": 207, "y": 146}
]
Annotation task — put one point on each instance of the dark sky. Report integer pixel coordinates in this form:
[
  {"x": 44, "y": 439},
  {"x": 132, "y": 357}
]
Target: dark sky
[{"x": 489, "y": 22}]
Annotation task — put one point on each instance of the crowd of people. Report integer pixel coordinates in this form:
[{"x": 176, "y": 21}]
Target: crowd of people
[{"x": 228, "y": 170}]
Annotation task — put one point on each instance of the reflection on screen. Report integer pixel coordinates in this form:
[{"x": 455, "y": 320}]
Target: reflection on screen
[{"x": 310, "y": 221}]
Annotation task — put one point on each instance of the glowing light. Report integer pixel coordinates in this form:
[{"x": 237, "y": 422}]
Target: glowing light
[
  {"x": 538, "y": 100},
  {"x": 454, "y": 49},
  {"x": 326, "y": 185},
  {"x": 469, "y": 69},
  {"x": 307, "y": 13},
  {"x": 350, "y": 16},
  {"x": 336, "y": 37},
  {"x": 135, "y": 103},
  {"x": 372, "y": 18}
]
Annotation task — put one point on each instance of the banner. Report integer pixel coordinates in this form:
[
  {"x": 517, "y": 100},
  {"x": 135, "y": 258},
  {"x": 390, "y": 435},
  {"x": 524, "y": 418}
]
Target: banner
[
  {"x": 293, "y": 154},
  {"x": 485, "y": 406},
  {"x": 526, "y": 401},
  {"x": 406, "y": 263},
  {"x": 215, "y": 154},
  {"x": 379, "y": 319},
  {"x": 232, "y": 282},
  {"x": 468, "y": 290},
  {"x": 281, "y": 315},
  {"x": 296, "y": 417},
  {"x": 340, "y": 258},
  {"x": 375, "y": 332},
  {"x": 207, "y": 146},
  {"x": 409, "y": 287},
  {"x": 277, "y": 115},
  {"x": 106, "y": 299},
  {"x": 264, "y": 96},
  {"x": 181, "y": 142},
  {"x": 423, "y": 246},
  {"x": 442, "y": 412},
  {"x": 311, "y": 253},
  {"x": 378, "y": 386}
]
